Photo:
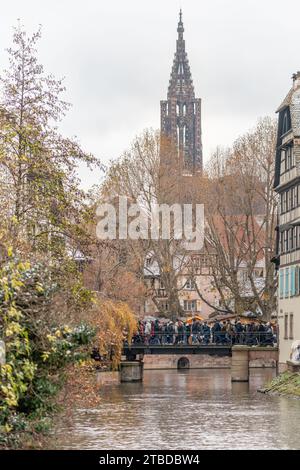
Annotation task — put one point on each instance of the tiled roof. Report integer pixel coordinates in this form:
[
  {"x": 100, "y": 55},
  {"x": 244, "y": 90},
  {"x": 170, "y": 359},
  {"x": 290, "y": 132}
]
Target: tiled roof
[
  {"x": 295, "y": 111},
  {"x": 286, "y": 102},
  {"x": 292, "y": 100}
]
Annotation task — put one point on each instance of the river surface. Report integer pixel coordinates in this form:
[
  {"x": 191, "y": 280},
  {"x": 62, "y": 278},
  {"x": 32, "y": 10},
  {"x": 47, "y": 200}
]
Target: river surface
[{"x": 194, "y": 409}]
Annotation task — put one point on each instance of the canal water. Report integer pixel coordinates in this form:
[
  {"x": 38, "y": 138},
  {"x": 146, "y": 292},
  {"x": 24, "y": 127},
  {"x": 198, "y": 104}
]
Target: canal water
[{"x": 193, "y": 409}]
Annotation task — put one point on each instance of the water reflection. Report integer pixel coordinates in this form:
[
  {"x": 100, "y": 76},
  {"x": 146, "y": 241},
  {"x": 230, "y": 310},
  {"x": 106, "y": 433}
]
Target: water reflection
[{"x": 195, "y": 409}]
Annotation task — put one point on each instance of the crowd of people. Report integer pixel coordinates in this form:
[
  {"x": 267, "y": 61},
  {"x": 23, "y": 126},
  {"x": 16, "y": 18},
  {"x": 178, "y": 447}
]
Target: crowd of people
[{"x": 158, "y": 332}]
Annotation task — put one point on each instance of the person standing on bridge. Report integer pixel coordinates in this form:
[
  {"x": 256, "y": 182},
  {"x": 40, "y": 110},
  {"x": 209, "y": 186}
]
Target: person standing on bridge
[
  {"x": 229, "y": 332},
  {"x": 216, "y": 332},
  {"x": 164, "y": 330},
  {"x": 170, "y": 329},
  {"x": 238, "y": 329},
  {"x": 147, "y": 331},
  {"x": 180, "y": 331},
  {"x": 261, "y": 333},
  {"x": 157, "y": 330},
  {"x": 269, "y": 338},
  {"x": 187, "y": 333},
  {"x": 175, "y": 337},
  {"x": 195, "y": 331},
  {"x": 206, "y": 333}
]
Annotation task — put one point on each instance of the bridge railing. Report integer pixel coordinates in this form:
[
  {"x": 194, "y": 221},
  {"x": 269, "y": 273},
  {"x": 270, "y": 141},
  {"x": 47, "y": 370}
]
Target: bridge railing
[{"x": 202, "y": 338}]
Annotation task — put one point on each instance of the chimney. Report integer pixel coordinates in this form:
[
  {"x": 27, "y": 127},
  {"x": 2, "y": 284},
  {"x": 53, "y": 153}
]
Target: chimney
[{"x": 296, "y": 80}]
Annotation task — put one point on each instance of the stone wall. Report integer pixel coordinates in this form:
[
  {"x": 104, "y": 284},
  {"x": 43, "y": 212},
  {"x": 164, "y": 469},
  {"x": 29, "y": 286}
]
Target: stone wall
[
  {"x": 258, "y": 358},
  {"x": 282, "y": 367},
  {"x": 263, "y": 357},
  {"x": 196, "y": 361},
  {"x": 107, "y": 377}
]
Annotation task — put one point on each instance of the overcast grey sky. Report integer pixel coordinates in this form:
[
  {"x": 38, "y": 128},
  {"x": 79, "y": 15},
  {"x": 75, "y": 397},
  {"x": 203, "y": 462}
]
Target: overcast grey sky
[{"x": 116, "y": 56}]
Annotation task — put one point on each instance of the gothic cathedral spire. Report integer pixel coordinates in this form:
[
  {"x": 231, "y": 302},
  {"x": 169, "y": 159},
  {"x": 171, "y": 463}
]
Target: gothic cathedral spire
[{"x": 181, "y": 112}]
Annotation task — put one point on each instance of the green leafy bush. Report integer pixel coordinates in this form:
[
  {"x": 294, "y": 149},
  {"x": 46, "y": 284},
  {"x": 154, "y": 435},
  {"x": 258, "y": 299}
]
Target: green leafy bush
[{"x": 36, "y": 350}]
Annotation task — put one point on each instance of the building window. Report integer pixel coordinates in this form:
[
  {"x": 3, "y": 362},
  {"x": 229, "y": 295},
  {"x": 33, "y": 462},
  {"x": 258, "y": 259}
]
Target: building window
[
  {"x": 287, "y": 161},
  {"x": 291, "y": 330},
  {"x": 290, "y": 157},
  {"x": 281, "y": 243},
  {"x": 190, "y": 284},
  {"x": 184, "y": 109},
  {"x": 291, "y": 239},
  {"x": 283, "y": 203},
  {"x": 287, "y": 207},
  {"x": 282, "y": 162},
  {"x": 286, "y": 321},
  {"x": 164, "y": 306},
  {"x": 285, "y": 241},
  {"x": 295, "y": 242},
  {"x": 189, "y": 305},
  {"x": 294, "y": 196},
  {"x": 258, "y": 273},
  {"x": 284, "y": 124},
  {"x": 291, "y": 198}
]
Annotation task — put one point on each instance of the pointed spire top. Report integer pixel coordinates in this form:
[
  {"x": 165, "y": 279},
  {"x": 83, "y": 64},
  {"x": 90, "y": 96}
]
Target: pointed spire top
[{"x": 180, "y": 28}]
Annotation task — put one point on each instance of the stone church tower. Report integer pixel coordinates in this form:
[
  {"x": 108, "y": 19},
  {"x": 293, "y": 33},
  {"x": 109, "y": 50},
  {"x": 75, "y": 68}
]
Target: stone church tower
[{"x": 181, "y": 112}]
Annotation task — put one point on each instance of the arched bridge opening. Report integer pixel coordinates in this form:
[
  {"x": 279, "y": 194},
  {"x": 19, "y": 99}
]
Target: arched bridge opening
[{"x": 183, "y": 363}]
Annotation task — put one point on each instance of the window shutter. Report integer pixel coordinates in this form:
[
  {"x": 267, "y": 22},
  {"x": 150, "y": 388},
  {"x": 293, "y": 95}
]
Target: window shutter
[
  {"x": 286, "y": 290},
  {"x": 292, "y": 281},
  {"x": 281, "y": 283},
  {"x": 297, "y": 280}
]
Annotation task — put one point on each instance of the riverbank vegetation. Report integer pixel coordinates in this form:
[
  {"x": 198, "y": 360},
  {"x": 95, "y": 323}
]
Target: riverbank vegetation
[{"x": 286, "y": 384}]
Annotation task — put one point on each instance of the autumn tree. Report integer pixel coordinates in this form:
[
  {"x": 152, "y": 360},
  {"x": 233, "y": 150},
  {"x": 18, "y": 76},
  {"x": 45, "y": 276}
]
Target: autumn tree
[
  {"x": 42, "y": 203},
  {"x": 140, "y": 177},
  {"x": 112, "y": 273},
  {"x": 240, "y": 210}
]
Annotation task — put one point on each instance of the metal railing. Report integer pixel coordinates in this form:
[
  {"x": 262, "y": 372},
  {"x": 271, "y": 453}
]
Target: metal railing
[{"x": 201, "y": 338}]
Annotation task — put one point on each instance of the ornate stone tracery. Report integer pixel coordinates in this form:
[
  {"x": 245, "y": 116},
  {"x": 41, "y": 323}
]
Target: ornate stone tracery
[{"x": 181, "y": 112}]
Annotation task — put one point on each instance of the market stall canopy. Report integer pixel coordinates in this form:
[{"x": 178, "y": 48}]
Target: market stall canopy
[{"x": 196, "y": 317}]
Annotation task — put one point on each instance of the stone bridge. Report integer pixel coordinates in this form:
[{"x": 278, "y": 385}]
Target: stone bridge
[{"x": 201, "y": 356}]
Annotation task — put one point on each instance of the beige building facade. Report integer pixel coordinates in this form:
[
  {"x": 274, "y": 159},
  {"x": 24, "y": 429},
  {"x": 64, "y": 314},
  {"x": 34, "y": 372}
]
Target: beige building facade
[
  {"x": 191, "y": 303},
  {"x": 287, "y": 186}
]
